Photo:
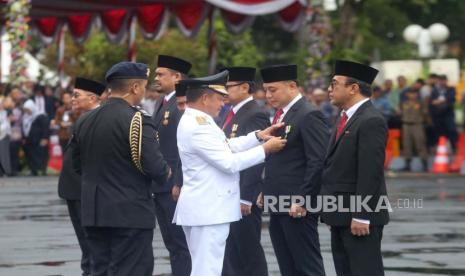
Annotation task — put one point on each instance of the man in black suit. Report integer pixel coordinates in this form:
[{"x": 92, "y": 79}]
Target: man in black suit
[
  {"x": 166, "y": 117},
  {"x": 244, "y": 254},
  {"x": 354, "y": 167},
  {"x": 294, "y": 171},
  {"x": 441, "y": 106},
  {"x": 117, "y": 155},
  {"x": 85, "y": 98}
]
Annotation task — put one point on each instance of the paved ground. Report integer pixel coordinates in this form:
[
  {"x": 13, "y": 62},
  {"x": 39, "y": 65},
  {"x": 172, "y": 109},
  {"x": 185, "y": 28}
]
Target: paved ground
[{"x": 36, "y": 237}]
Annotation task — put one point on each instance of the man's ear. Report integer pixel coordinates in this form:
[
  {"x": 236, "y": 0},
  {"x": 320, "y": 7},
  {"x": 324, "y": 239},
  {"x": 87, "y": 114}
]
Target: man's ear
[{"x": 177, "y": 76}]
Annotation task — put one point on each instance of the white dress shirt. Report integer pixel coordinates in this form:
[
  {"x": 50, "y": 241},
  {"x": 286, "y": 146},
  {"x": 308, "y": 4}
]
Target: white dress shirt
[
  {"x": 350, "y": 112},
  {"x": 169, "y": 96},
  {"x": 288, "y": 106}
]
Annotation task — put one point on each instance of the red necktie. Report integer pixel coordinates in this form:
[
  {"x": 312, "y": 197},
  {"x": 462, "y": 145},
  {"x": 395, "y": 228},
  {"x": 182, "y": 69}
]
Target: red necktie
[
  {"x": 341, "y": 125},
  {"x": 165, "y": 102},
  {"x": 278, "y": 114},
  {"x": 228, "y": 118}
]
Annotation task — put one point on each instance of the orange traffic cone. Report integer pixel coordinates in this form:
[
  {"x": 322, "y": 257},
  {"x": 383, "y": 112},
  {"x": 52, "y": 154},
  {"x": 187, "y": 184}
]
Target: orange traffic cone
[
  {"x": 459, "y": 159},
  {"x": 441, "y": 160}
]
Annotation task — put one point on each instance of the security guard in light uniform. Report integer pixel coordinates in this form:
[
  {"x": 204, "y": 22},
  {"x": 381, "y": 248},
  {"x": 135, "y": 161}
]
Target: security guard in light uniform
[
  {"x": 116, "y": 152},
  {"x": 166, "y": 118},
  {"x": 69, "y": 183},
  {"x": 244, "y": 254},
  {"x": 209, "y": 199}
]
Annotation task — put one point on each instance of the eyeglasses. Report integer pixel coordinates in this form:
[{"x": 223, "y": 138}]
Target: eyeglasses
[
  {"x": 334, "y": 83},
  {"x": 232, "y": 85}
]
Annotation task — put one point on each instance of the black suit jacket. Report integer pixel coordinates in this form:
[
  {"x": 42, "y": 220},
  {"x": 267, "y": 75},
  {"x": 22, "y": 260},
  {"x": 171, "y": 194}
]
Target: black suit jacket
[
  {"x": 69, "y": 182},
  {"x": 115, "y": 193},
  {"x": 247, "y": 119},
  {"x": 39, "y": 130},
  {"x": 167, "y": 133},
  {"x": 446, "y": 109},
  {"x": 354, "y": 165},
  {"x": 296, "y": 170}
]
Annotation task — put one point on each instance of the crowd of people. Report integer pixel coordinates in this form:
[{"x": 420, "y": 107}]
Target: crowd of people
[{"x": 423, "y": 111}]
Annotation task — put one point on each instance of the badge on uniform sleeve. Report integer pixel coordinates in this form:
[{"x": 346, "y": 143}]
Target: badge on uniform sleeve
[
  {"x": 201, "y": 120},
  {"x": 166, "y": 117},
  {"x": 287, "y": 130},
  {"x": 233, "y": 130}
]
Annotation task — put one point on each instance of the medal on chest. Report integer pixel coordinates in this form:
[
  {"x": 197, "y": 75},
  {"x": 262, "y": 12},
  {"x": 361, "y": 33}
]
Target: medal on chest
[
  {"x": 233, "y": 130},
  {"x": 287, "y": 130},
  {"x": 166, "y": 116}
]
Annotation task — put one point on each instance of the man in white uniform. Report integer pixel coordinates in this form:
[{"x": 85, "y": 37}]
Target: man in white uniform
[{"x": 210, "y": 197}]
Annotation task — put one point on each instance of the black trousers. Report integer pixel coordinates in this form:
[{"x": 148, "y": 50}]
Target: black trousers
[
  {"x": 173, "y": 235},
  {"x": 15, "y": 146},
  {"x": 74, "y": 209},
  {"x": 120, "y": 251},
  {"x": 37, "y": 158},
  {"x": 357, "y": 256},
  {"x": 296, "y": 245},
  {"x": 244, "y": 255}
]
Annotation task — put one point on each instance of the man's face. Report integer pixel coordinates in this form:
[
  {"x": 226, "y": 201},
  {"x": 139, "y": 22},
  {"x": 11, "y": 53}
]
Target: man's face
[
  {"x": 139, "y": 88},
  {"x": 181, "y": 102},
  {"x": 66, "y": 98},
  {"x": 82, "y": 100},
  {"x": 213, "y": 103},
  {"x": 165, "y": 80},
  {"x": 279, "y": 94},
  {"x": 237, "y": 92},
  {"x": 388, "y": 85},
  {"x": 339, "y": 91},
  {"x": 401, "y": 81},
  {"x": 16, "y": 95}
]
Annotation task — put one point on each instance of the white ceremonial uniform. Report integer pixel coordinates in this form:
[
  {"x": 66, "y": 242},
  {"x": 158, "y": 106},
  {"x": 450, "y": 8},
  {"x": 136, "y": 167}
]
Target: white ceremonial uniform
[{"x": 210, "y": 197}]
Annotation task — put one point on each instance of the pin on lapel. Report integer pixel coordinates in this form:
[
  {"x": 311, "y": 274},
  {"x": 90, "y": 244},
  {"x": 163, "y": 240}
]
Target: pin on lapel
[
  {"x": 233, "y": 130},
  {"x": 287, "y": 130},
  {"x": 166, "y": 117}
]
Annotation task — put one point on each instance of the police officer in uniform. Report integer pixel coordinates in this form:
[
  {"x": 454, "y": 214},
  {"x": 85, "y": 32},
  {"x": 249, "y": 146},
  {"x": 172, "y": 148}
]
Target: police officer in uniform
[
  {"x": 170, "y": 70},
  {"x": 69, "y": 183},
  {"x": 294, "y": 171},
  {"x": 244, "y": 254},
  {"x": 118, "y": 156},
  {"x": 209, "y": 199}
]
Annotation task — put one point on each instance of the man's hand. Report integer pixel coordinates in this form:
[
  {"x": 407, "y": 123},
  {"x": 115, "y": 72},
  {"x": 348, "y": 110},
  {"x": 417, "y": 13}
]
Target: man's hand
[
  {"x": 297, "y": 211},
  {"x": 260, "y": 201},
  {"x": 274, "y": 144},
  {"x": 175, "y": 191},
  {"x": 246, "y": 209},
  {"x": 267, "y": 133},
  {"x": 359, "y": 229}
]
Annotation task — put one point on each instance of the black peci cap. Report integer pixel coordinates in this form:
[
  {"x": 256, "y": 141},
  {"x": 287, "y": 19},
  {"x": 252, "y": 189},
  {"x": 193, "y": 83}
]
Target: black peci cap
[
  {"x": 355, "y": 70},
  {"x": 174, "y": 63},
  {"x": 276, "y": 73},
  {"x": 89, "y": 85},
  {"x": 241, "y": 73}
]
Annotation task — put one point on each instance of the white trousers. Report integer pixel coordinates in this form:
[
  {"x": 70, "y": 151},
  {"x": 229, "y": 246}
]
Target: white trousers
[{"x": 206, "y": 246}]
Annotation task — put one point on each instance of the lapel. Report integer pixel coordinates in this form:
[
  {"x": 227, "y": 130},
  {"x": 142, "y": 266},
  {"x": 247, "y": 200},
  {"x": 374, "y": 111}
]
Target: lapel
[
  {"x": 158, "y": 107},
  {"x": 238, "y": 118},
  {"x": 333, "y": 144},
  {"x": 293, "y": 110}
]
